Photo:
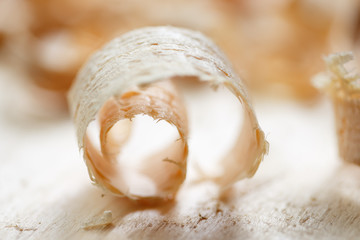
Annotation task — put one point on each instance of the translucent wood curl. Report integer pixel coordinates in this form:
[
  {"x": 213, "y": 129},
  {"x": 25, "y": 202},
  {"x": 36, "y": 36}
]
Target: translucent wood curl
[{"x": 132, "y": 75}]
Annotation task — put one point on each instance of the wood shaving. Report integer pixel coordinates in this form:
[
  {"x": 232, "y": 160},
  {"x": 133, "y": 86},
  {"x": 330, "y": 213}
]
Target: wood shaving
[
  {"x": 130, "y": 76},
  {"x": 343, "y": 87},
  {"x": 99, "y": 222}
]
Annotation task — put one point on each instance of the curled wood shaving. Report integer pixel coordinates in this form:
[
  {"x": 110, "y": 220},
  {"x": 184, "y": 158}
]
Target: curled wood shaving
[
  {"x": 130, "y": 76},
  {"x": 343, "y": 86}
]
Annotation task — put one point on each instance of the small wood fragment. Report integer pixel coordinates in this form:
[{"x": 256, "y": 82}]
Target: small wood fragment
[{"x": 99, "y": 222}]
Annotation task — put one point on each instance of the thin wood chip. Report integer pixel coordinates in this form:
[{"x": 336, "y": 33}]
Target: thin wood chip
[{"x": 99, "y": 222}]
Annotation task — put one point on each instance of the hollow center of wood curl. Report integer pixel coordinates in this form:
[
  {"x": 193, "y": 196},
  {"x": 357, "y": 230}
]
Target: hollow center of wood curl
[{"x": 215, "y": 119}]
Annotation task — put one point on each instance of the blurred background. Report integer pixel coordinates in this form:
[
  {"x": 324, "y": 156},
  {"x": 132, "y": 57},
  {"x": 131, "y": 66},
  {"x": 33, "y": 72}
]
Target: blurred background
[{"x": 276, "y": 46}]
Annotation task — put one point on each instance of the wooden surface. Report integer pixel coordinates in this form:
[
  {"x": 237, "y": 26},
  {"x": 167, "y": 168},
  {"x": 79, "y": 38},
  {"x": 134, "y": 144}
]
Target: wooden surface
[{"x": 301, "y": 191}]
